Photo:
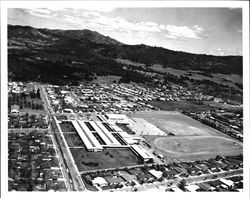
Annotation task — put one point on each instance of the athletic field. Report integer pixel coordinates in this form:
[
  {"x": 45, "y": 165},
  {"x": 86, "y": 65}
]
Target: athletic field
[
  {"x": 176, "y": 123},
  {"x": 194, "y": 147},
  {"x": 190, "y": 139}
]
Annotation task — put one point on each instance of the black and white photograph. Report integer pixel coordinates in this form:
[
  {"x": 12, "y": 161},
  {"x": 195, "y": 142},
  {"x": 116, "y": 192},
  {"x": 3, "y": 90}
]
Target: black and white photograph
[{"x": 125, "y": 97}]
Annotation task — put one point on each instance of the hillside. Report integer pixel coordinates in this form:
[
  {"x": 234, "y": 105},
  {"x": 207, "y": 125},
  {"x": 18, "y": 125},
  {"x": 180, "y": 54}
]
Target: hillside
[{"x": 63, "y": 56}]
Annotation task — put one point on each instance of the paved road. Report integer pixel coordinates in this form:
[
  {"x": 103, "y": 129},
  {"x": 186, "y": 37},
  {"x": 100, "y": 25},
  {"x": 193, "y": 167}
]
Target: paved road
[
  {"x": 75, "y": 175},
  {"x": 119, "y": 168},
  {"x": 72, "y": 177},
  {"x": 63, "y": 165},
  {"x": 161, "y": 186}
]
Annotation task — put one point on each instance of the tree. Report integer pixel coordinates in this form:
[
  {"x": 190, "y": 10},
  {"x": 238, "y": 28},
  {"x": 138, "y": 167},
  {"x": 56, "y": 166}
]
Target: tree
[
  {"x": 135, "y": 189},
  {"x": 32, "y": 94},
  {"x": 182, "y": 184},
  {"x": 22, "y": 95},
  {"x": 32, "y": 106},
  {"x": 218, "y": 157},
  {"x": 38, "y": 94},
  {"x": 29, "y": 104},
  {"x": 37, "y": 106},
  {"x": 160, "y": 179}
]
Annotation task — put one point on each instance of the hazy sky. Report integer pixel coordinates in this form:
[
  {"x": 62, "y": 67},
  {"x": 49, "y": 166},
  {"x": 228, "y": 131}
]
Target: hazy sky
[{"x": 200, "y": 30}]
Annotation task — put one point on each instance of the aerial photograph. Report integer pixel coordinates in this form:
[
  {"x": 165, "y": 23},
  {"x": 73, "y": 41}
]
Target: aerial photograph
[{"x": 125, "y": 99}]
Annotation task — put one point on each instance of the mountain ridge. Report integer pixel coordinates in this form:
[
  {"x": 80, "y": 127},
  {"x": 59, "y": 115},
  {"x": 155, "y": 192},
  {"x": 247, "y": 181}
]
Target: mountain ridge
[{"x": 35, "y": 50}]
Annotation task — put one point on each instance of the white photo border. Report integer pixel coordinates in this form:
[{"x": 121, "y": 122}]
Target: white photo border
[{"x": 150, "y": 4}]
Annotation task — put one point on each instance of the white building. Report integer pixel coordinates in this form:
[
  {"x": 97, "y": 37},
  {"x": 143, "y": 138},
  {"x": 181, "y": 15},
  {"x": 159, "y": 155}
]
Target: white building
[
  {"x": 68, "y": 100},
  {"x": 87, "y": 137},
  {"x": 227, "y": 182},
  {"x": 143, "y": 153},
  {"x": 127, "y": 138},
  {"x": 120, "y": 118},
  {"x": 63, "y": 92},
  {"x": 155, "y": 173},
  {"x": 68, "y": 111},
  {"x": 106, "y": 135},
  {"x": 192, "y": 188},
  {"x": 177, "y": 189},
  {"x": 14, "y": 109},
  {"x": 116, "y": 128},
  {"x": 99, "y": 181}
]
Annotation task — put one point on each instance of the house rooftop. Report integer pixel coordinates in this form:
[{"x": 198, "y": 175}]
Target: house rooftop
[{"x": 112, "y": 180}]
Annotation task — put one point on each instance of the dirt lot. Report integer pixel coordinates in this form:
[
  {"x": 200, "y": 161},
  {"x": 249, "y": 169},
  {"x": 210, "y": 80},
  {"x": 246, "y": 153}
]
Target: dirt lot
[
  {"x": 176, "y": 123},
  {"x": 194, "y": 147},
  {"x": 142, "y": 127},
  {"x": 109, "y": 158}
]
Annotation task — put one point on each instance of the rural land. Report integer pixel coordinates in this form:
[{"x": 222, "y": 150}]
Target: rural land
[{"x": 89, "y": 113}]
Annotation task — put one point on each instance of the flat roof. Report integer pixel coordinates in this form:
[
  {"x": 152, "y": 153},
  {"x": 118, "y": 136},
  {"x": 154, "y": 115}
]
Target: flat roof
[
  {"x": 112, "y": 179},
  {"x": 94, "y": 142},
  {"x": 155, "y": 173},
  {"x": 142, "y": 152},
  {"x": 85, "y": 139},
  {"x": 227, "y": 181},
  {"x": 99, "y": 180},
  {"x": 101, "y": 133},
  {"x": 116, "y": 116},
  {"x": 124, "y": 134},
  {"x": 126, "y": 137},
  {"x": 177, "y": 189},
  {"x": 107, "y": 137},
  {"x": 126, "y": 176},
  {"x": 192, "y": 188},
  {"x": 116, "y": 128}
]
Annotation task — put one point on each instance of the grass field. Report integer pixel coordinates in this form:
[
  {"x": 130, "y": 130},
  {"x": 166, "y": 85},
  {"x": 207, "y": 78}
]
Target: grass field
[
  {"x": 181, "y": 105},
  {"x": 194, "y": 147},
  {"x": 61, "y": 117},
  {"x": 73, "y": 140},
  {"x": 109, "y": 158},
  {"x": 176, "y": 123},
  {"x": 224, "y": 106},
  {"x": 192, "y": 140},
  {"x": 106, "y": 79},
  {"x": 67, "y": 127}
]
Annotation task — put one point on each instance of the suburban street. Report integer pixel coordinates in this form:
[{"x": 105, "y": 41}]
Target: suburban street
[
  {"x": 174, "y": 182},
  {"x": 73, "y": 179}
]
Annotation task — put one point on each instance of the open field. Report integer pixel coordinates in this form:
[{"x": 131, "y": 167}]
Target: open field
[
  {"x": 109, "y": 158},
  {"x": 229, "y": 80},
  {"x": 176, "y": 123},
  {"x": 67, "y": 127},
  {"x": 106, "y": 79},
  {"x": 174, "y": 105},
  {"x": 224, "y": 106},
  {"x": 61, "y": 117},
  {"x": 194, "y": 147},
  {"x": 73, "y": 140},
  {"x": 142, "y": 127},
  {"x": 30, "y": 111}
]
